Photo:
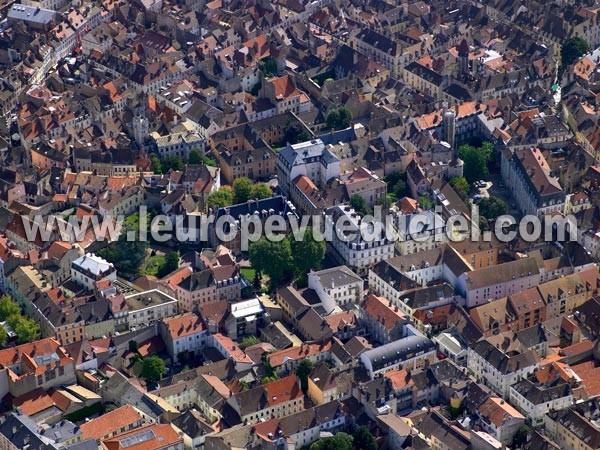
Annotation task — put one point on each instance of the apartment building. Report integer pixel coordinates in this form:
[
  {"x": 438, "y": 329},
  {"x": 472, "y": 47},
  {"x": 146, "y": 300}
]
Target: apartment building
[
  {"x": 536, "y": 191},
  {"x": 362, "y": 246},
  {"x": 312, "y": 159}
]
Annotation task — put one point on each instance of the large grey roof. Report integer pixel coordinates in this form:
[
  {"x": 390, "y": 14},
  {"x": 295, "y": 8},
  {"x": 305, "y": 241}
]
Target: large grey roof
[
  {"x": 31, "y": 14},
  {"x": 398, "y": 350},
  {"x": 337, "y": 276},
  {"x": 23, "y": 432}
]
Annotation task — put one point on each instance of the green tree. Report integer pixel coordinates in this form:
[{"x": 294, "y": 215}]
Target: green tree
[
  {"x": 339, "y": 441},
  {"x": 247, "y": 341},
  {"x": 267, "y": 379},
  {"x": 219, "y": 199},
  {"x": 171, "y": 163},
  {"x": 461, "y": 186},
  {"x": 268, "y": 66},
  {"x": 260, "y": 191},
  {"x": 27, "y": 330},
  {"x": 332, "y": 119},
  {"x": 492, "y": 207},
  {"x": 573, "y": 49},
  {"x": 195, "y": 157},
  {"x": 397, "y": 186},
  {"x": 133, "y": 346},
  {"x": 256, "y": 282},
  {"x": 294, "y": 133},
  {"x": 475, "y": 162},
  {"x": 483, "y": 224},
  {"x": 303, "y": 371},
  {"x": 307, "y": 254},
  {"x": 345, "y": 118},
  {"x": 3, "y": 336},
  {"x": 8, "y": 307},
  {"x": 127, "y": 255},
  {"x": 153, "y": 368},
  {"x": 156, "y": 165},
  {"x": 425, "y": 201},
  {"x": 338, "y": 119},
  {"x": 242, "y": 189},
  {"x": 273, "y": 259},
  {"x": 359, "y": 205},
  {"x": 108, "y": 407},
  {"x": 520, "y": 437},
  {"x": 362, "y": 439},
  {"x": 171, "y": 263}
]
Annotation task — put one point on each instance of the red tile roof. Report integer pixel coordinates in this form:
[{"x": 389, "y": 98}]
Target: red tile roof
[
  {"x": 34, "y": 402},
  {"x": 283, "y": 390},
  {"x": 379, "y": 308},
  {"x": 184, "y": 325},
  {"x": 110, "y": 422},
  {"x": 296, "y": 353},
  {"x": 148, "y": 437}
]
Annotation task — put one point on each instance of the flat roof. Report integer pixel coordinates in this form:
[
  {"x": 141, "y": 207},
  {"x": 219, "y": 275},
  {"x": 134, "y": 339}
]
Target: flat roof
[
  {"x": 147, "y": 299},
  {"x": 247, "y": 308}
]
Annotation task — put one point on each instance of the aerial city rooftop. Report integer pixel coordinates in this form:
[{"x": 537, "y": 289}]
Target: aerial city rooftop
[{"x": 297, "y": 224}]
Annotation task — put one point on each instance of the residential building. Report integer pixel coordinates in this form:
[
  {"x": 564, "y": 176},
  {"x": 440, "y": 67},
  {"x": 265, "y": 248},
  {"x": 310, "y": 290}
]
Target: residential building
[
  {"x": 41, "y": 364},
  {"x": 184, "y": 334},
  {"x": 148, "y": 307},
  {"x": 528, "y": 175},
  {"x": 500, "y": 419},
  {"x": 89, "y": 269},
  {"x": 500, "y": 362},
  {"x": 493, "y": 283},
  {"x": 338, "y": 286},
  {"x": 279, "y": 398},
  {"x": 361, "y": 245},
  {"x": 155, "y": 436},
  {"x": 413, "y": 351},
  {"x": 312, "y": 159}
]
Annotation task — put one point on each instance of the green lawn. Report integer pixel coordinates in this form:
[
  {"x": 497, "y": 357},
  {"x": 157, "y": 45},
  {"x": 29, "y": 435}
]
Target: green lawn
[
  {"x": 248, "y": 273},
  {"x": 152, "y": 265}
]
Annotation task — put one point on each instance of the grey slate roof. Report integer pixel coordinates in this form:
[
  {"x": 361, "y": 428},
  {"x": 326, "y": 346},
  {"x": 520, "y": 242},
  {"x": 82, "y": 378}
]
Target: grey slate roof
[{"x": 398, "y": 350}]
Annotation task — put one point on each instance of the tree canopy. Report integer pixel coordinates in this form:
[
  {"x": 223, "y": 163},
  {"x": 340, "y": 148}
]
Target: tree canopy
[
  {"x": 242, "y": 189},
  {"x": 573, "y": 49},
  {"x": 359, "y": 205},
  {"x": 273, "y": 259},
  {"x": 307, "y": 254},
  {"x": 127, "y": 255},
  {"x": 396, "y": 185},
  {"x": 27, "y": 330},
  {"x": 153, "y": 368},
  {"x": 476, "y": 161},
  {"x": 492, "y": 207},
  {"x": 171, "y": 163},
  {"x": 339, "y": 441},
  {"x": 260, "y": 191},
  {"x": 362, "y": 439},
  {"x": 303, "y": 371},
  {"x": 219, "y": 199},
  {"x": 294, "y": 133},
  {"x": 197, "y": 157},
  {"x": 338, "y": 119},
  {"x": 287, "y": 259},
  {"x": 461, "y": 186},
  {"x": 171, "y": 263},
  {"x": 8, "y": 308}
]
